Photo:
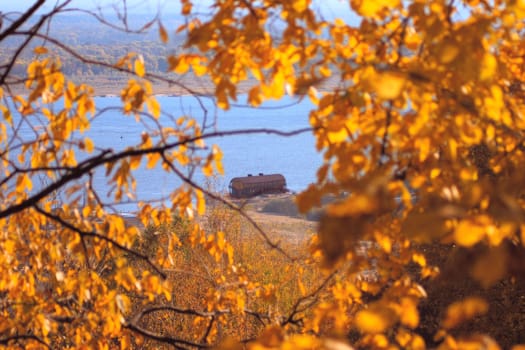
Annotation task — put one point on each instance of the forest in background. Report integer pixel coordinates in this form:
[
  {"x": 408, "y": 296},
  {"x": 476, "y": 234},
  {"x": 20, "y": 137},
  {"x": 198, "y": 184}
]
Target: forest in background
[{"x": 95, "y": 41}]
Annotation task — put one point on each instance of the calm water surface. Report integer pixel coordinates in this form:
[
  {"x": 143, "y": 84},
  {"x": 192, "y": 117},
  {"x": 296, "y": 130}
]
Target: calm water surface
[{"x": 294, "y": 156}]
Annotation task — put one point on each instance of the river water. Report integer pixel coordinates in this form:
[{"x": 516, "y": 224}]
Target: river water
[{"x": 293, "y": 156}]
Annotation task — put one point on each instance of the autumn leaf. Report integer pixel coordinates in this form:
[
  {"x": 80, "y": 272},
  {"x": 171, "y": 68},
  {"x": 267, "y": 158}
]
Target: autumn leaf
[
  {"x": 471, "y": 231},
  {"x": 40, "y": 50},
  {"x": 376, "y": 319},
  {"x": 271, "y": 336},
  {"x": 387, "y": 85},
  {"x": 186, "y": 7},
  {"x": 139, "y": 66},
  {"x": 409, "y": 313},
  {"x": 163, "y": 34},
  {"x": 464, "y": 310},
  {"x": 372, "y": 8},
  {"x": 400, "y": 102},
  {"x": 300, "y": 5}
]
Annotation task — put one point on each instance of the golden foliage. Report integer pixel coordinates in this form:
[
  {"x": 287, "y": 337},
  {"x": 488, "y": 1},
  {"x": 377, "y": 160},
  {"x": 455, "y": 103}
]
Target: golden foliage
[
  {"x": 463, "y": 310},
  {"x": 418, "y": 112}
]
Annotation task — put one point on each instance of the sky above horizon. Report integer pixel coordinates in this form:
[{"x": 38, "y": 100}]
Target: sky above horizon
[{"x": 329, "y": 8}]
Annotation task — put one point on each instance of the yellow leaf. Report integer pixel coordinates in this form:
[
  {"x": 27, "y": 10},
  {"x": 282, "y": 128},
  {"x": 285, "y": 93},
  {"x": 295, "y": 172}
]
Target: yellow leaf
[
  {"x": 476, "y": 342},
  {"x": 217, "y": 157},
  {"x": 186, "y": 7},
  {"x": 419, "y": 259},
  {"x": 377, "y": 319},
  {"x": 23, "y": 182},
  {"x": 134, "y": 162},
  {"x": 229, "y": 253},
  {"x": 300, "y": 5},
  {"x": 424, "y": 145},
  {"x": 152, "y": 160},
  {"x": 179, "y": 65},
  {"x": 371, "y": 8},
  {"x": 448, "y": 51},
  {"x": 489, "y": 65},
  {"x": 409, "y": 314},
  {"x": 40, "y": 50},
  {"x": 199, "y": 69},
  {"x": 464, "y": 310},
  {"x": 277, "y": 88},
  {"x": 388, "y": 85},
  {"x": 153, "y": 107},
  {"x": 337, "y": 136},
  {"x": 207, "y": 169},
  {"x": 139, "y": 67},
  {"x": 384, "y": 242},
  {"x": 201, "y": 202},
  {"x": 224, "y": 89},
  {"x": 255, "y": 96},
  {"x": 325, "y": 71},
  {"x": 302, "y": 289},
  {"x": 88, "y": 145},
  {"x": 408, "y": 340},
  {"x": 470, "y": 231}
]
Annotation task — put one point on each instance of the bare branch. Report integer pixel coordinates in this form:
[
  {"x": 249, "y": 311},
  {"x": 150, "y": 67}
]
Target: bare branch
[
  {"x": 296, "y": 307},
  {"x": 176, "y": 342},
  {"x": 384, "y": 141},
  {"x": 212, "y": 315},
  {"x": 94, "y": 234},
  {"x": 30, "y": 35},
  {"x": 23, "y": 337},
  {"x": 22, "y": 19},
  {"x": 108, "y": 156},
  {"x": 208, "y": 330}
]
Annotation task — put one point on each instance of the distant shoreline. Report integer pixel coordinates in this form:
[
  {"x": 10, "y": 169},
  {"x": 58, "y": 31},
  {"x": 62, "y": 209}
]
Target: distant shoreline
[{"x": 187, "y": 85}]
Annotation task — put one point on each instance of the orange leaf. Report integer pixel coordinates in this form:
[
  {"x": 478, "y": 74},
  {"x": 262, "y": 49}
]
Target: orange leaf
[
  {"x": 40, "y": 50},
  {"x": 376, "y": 319},
  {"x": 163, "y": 34},
  {"x": 464, "y": 310},
  {"x": 139, "y": 67}
]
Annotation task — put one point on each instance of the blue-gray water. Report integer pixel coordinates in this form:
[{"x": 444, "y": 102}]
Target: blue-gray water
[{"x": 294, "y": 156}]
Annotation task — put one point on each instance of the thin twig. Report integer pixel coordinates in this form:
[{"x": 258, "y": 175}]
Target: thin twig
[
  {"x": 25, "y": 337},
  {"x": 300, "y": 301},
  {"x": 95, "y": 234},
  {"x": 176, "y": 342},
  {"x": 384, "y": 142},
  {"x": 109, "y": 156}
]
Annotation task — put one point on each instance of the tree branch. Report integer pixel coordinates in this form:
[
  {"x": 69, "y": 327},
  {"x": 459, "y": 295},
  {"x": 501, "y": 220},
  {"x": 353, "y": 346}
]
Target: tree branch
[
  {"x": 176, "y": 342},
  {"x": 296, "y": 310},
  {"x": 108, "y": 156},
  {"x": 384, "y": 142},
  {"x": 22, "y": 19},
  {"x": 30, "y": 35},
  {"x": 25, "y": 337},
  {"x": 94, "y": 234}
]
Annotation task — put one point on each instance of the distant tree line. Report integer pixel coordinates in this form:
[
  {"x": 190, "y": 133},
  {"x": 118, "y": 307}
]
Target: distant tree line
[{"x": 95, "y": 41}]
